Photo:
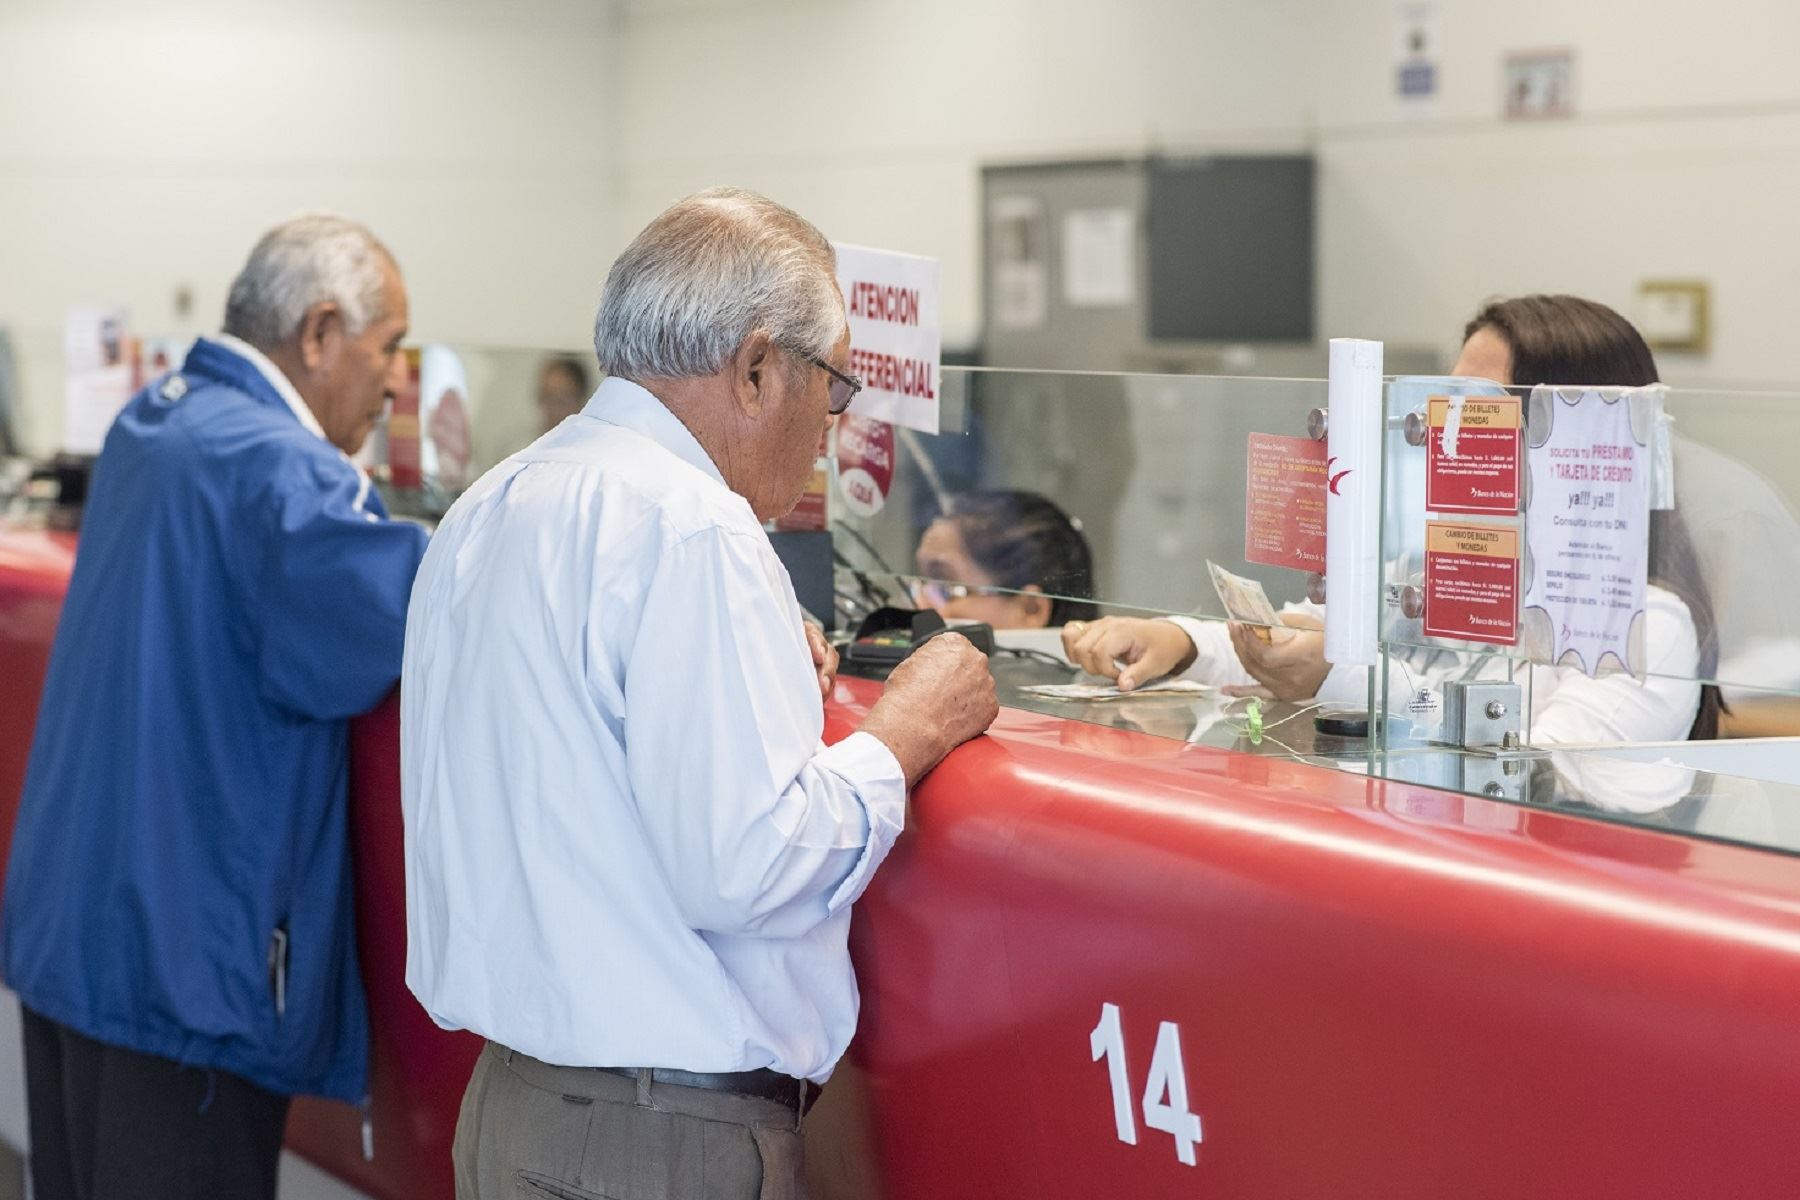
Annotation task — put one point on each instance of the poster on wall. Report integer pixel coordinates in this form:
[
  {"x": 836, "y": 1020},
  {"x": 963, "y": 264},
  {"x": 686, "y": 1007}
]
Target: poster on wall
[
  {"x": 895, "y": 305},
  {"x": 1587, "y": 526},
  {"x": 98, "y": 373},
  {"x": 1099, "y": 257},
  {"x": 1019, "y": 250},
  {"x": 1539, "y": 85}
]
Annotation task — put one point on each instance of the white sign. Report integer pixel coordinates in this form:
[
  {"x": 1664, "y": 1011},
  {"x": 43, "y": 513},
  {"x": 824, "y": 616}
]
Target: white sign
[
  {"x": 895, "y": 305},
  {"x": 1587, "y": 526},
  {"x": 97, "y": 375},
  {"x": 1099, "y": 257}
]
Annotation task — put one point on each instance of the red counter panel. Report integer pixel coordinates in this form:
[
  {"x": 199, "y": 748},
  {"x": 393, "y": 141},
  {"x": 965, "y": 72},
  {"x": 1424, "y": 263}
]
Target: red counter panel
[{"x": 1378, "y": 989}]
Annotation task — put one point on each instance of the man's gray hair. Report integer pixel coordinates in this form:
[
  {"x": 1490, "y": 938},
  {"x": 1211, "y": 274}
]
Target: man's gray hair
[
  {"x": 299, "y": 263},
  {"x": 706, "y": 274}
]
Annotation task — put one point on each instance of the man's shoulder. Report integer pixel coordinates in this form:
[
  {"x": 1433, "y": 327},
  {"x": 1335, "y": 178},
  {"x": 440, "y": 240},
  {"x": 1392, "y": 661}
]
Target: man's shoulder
[
  {"x": 628, "y": 469},
  {"x": 223, "y": 441}
]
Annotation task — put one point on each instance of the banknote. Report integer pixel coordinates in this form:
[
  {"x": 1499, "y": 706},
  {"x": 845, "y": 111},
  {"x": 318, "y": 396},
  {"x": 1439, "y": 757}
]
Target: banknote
[{"x": 1244, "y": 599}]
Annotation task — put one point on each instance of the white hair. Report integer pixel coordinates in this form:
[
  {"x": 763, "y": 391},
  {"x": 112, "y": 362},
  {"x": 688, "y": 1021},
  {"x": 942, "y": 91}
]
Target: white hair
[
  {"x": 713, "y": 269},
  {"x": 299, "y": 263}
]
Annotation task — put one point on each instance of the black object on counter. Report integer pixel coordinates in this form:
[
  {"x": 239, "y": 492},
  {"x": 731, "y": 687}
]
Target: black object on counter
[{"x": 888, "y": 635}]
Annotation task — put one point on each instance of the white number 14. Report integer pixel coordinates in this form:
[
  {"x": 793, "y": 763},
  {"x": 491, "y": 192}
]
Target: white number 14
[{"x": 1165, "y": 1092}]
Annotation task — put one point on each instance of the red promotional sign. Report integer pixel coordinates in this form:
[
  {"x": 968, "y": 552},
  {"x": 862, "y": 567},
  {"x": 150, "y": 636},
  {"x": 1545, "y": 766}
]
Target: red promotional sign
[
  {"x": 1284, "y": 502},
  {"x": 1472, "y": 455},
  {"x": 1472, "y": 582},
  {"x": 865, "y": 454}
]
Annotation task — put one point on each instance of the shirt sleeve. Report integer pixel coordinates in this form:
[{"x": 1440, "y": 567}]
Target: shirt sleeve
[
  {"x": 1619, "y": 708},
  {"x": 756, "y": 828},
  {"x": 331, "y": 595},
  {"x": 1215, "y": 662}
]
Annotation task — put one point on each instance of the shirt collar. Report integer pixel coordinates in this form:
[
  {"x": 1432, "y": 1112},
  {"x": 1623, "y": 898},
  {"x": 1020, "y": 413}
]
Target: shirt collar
[
  {"x": 630, "y": 406},
  {"x": 277, "y": 380}
]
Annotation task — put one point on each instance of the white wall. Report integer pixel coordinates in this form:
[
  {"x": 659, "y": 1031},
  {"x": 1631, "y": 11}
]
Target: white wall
[
  {"x": 508, "y": 151},
  {"x": 145, "y": 147},
  {"x": 1684, "y": 161},
  {"x": 874, "y": 118}
]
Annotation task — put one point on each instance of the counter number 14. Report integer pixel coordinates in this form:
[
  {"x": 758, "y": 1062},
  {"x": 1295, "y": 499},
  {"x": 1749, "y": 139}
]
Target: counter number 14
[{"x": 1165, "y": 1092}]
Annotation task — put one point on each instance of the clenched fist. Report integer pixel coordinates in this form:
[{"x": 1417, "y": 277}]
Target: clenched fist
[{"x": 936, "y": 700}]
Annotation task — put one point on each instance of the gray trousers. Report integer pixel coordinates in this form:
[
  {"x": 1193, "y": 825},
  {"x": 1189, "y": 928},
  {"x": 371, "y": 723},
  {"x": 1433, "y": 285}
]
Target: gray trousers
[{"x": 532, "y": 1131}]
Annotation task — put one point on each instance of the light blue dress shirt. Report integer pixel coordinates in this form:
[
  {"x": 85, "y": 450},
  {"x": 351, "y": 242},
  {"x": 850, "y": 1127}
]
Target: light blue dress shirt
[{"x": 625, "y": 844}]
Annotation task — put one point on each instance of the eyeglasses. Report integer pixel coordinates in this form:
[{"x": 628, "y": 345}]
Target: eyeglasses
[
  {"x": 843, "y": 387},
  {"x": 930, "y": 593}
]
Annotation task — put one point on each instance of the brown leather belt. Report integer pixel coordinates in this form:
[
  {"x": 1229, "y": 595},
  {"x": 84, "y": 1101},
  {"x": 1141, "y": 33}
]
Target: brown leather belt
[{"x": 794, "y": 1094}]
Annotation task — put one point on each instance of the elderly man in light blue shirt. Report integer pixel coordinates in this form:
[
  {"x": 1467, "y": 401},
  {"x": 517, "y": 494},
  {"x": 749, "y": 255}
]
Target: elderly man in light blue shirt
[{"x": 630, "y": 861}]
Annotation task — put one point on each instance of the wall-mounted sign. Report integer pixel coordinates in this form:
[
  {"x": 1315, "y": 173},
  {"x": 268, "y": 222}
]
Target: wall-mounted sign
[
  {"x": 1416, "y": 82},
  {"x": 1472, "y": 582},
  {"x": 1540, "y": 85},
  {"x": 1284, "y": 502},
  {"x": 1472, "y": 456},
  {"x": 895, "y": 305},
  {"x": 1099, "y": 257},
  {"x": 1587, "y": 526},
  {"x": 1675, "y": 315},
  {"x": 1019, "y": 249}
]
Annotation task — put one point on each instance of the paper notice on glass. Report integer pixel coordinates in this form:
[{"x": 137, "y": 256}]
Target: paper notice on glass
[
  {"x": 1099, "y": 257},
  {"x": 1587, "y": 527},
  {"x": 894, "y": 302},
  {"x": 1244, "y": 599},
  {"x": 1019, "y": 251},
  {"x": 97, "y": 375}
]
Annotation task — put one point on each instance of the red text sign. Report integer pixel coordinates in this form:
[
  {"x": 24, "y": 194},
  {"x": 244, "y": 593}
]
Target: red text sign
[
  {"x": 865, "y": 454},
  {"x": 1472, "y": 455},
  {"x": 1472, "y": 582},
  {"x": 1284, "y": 502}
]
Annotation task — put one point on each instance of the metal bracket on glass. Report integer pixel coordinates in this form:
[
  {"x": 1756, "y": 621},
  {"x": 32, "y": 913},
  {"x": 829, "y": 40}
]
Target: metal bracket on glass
[
  {"x": 1415, "y": 426},
  {"x": 1483, "y": 715}
]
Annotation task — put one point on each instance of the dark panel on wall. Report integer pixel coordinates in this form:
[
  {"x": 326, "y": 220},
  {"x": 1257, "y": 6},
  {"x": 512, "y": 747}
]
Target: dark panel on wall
[{"x": 1231, "y": 249}]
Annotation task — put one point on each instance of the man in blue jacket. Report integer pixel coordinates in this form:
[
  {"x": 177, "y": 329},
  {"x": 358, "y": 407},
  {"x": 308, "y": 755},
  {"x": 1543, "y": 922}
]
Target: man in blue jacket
[{"x": 178, "y": 917}]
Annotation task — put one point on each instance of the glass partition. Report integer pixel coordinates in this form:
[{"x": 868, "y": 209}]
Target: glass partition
[{"x": 1677, "y": 520}]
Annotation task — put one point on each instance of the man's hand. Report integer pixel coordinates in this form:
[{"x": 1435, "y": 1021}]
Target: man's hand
[
  {"x": 936, "y": 700},
  {"x": 825, "y": 659},
  {"x": 1128, "y": 650},
  {"x": 1291, "y": 667}
]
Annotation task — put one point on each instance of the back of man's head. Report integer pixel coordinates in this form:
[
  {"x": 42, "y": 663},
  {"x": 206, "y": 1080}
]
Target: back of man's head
[
  {"x": 707, "y": 273},
  {"x": 301, "y": 262}
]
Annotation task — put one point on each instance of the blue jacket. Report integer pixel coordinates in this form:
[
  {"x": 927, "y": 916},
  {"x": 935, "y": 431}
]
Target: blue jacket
[{"x": 180, "y": 879}]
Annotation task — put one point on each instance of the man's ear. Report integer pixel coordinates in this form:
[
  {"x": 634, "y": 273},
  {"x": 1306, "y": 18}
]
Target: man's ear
[
  {"x": 754, "y": 371},
  {"x": 322, "y": 323}
]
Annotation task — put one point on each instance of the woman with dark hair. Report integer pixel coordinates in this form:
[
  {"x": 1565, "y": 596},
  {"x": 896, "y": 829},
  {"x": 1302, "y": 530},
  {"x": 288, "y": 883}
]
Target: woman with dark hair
[
  {"x": 1521, "y": 342},
  {"x": 1012, "y": 559}
]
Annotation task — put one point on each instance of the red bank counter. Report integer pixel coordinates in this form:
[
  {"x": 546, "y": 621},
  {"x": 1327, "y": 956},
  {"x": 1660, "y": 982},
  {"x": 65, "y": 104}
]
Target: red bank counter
[{"x": 1107, "y": 963}]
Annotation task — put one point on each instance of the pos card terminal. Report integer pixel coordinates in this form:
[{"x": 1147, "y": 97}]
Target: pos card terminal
[{"x": 888, "y": 635}]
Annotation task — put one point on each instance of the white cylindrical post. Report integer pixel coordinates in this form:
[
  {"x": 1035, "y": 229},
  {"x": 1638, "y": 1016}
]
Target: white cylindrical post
[{"x": 1353, "y": 502}]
